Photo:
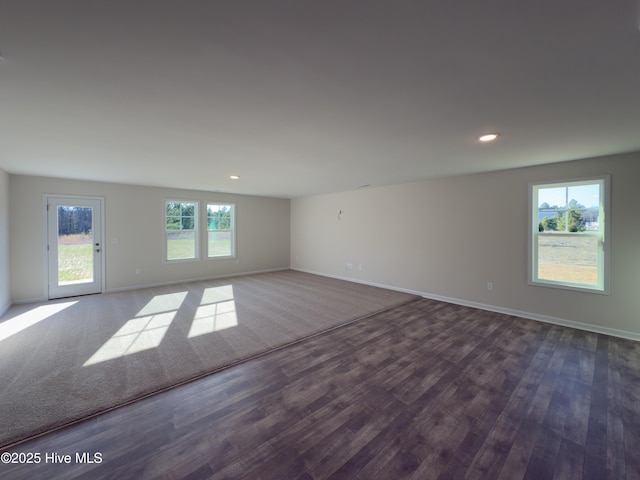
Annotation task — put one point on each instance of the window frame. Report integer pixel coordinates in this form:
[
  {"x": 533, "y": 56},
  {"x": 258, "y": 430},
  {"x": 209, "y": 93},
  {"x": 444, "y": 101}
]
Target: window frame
[
  {"x": 232, "y": 230},
  {"x": 195, "y": 230},
  {"x": 603, "y": 233}
]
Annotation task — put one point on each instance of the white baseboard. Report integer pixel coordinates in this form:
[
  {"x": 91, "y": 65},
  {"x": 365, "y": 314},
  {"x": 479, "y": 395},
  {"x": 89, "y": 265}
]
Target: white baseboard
[
  {"x": 198, "y": 279},
  {"x": 493, "y": 308},
  {"x": 458, "y": 301},
  {"x": 30, "y": 300},
  {"x": 162, "y": 284},
  {"x": 4, "y": 309}
]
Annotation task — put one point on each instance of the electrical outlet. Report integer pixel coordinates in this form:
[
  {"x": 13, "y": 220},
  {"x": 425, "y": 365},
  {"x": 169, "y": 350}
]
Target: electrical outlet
[
  {"x": 490, "y": 286},
  {"x": 138, "y": 271}
]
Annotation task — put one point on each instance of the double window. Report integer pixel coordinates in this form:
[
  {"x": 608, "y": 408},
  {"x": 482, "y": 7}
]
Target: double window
[
  {"x": 182, "y": 231},
  {"x": 570, "y": 234}
]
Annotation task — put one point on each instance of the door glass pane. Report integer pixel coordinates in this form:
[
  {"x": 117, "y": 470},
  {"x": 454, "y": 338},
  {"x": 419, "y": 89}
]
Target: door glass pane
[{"x": 75, "y": 245}]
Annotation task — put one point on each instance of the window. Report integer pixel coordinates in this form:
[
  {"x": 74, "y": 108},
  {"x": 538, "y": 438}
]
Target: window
[
  {"x": 220, "y": 230},
  {"x": 569, "y": 234},
  {"x": 181, "y": 230}
]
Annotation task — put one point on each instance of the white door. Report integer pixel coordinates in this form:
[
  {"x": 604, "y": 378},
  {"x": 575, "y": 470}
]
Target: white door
[{"x": 74, "y": 245}]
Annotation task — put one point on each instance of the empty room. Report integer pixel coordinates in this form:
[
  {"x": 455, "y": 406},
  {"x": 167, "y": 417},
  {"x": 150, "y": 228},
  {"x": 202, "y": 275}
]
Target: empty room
[{"x": 306, "y": 239}]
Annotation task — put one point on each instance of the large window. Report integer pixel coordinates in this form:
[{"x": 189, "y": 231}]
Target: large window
[
  {"x": 220, "y": 230},
  {"x": 181, "y": 230},
  {"x": 569, "y": 234}
]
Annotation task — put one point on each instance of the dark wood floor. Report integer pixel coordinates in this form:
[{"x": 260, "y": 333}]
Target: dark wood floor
[{"x": 427, "y": 390}]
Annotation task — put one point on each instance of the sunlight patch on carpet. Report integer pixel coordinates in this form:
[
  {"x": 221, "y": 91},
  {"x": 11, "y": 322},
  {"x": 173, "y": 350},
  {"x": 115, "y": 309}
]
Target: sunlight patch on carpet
[
  {"x": 217, "y": 294},
  {"x": 163, "y": 303},
  {"x": 137, "y": 335},
  {"x": 217, "y": 311},
  {"x": 27, "y": 319},
  {"x": 213, "y": 318},
  {"x": 143, "y": 332}
]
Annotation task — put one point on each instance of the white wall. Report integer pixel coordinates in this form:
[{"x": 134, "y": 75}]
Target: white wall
[
  {"x": 448, "y": 237},
  {"x": 134, "y": 215},
  {"x": 5, "y": 288}
]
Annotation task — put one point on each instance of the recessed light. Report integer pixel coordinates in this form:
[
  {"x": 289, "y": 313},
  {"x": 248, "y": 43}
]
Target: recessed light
[
  {"x": 234, "y": 177},
  {"x": 488, "y": 137}
]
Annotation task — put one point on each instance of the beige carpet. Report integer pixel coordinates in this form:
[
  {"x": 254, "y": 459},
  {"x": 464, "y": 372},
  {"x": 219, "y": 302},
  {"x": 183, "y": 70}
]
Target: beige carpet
[{"x": 65, "y": 360}]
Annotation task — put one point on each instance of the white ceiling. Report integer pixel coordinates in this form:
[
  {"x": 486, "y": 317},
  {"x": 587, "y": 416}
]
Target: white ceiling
[{"x": 303, "y": 97}]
